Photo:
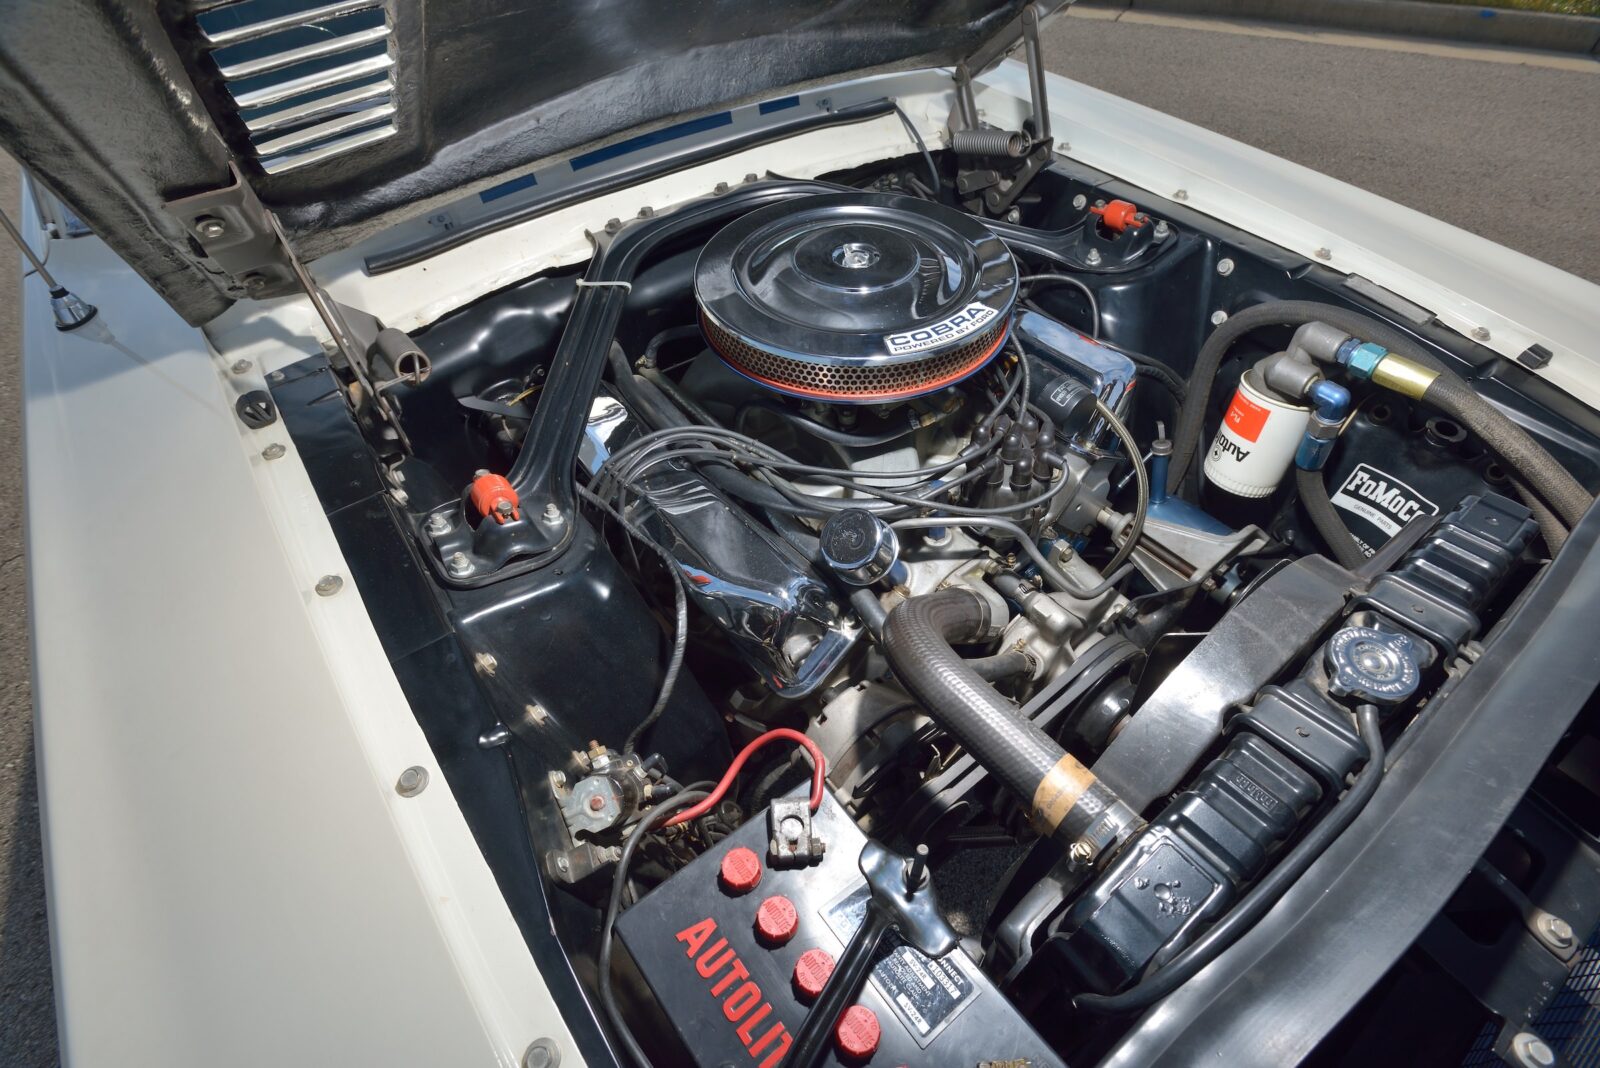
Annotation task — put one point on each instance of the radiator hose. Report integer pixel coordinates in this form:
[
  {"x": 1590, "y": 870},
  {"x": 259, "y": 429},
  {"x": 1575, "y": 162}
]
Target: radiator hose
[{"x": 1065, "y": 799}]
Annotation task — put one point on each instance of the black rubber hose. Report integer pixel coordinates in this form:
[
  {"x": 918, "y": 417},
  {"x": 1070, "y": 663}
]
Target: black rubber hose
[
  {"x": 1452, "y": 395},
  {"x": 1191, "y": 417},
  {"x": 1006, "y": 665},
  {"x": 870, "y": 609},
  {"x": 1550, "y": 528},
  {"x": 619, "y": 885},
  {"x": 1254, "y": 905},
  {"x": 1325, "y": 517},
  {"x": 917, "y": 640}
]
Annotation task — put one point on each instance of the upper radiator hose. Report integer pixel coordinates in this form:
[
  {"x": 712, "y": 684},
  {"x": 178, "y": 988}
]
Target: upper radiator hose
[{"x": 1065, "y": 799}]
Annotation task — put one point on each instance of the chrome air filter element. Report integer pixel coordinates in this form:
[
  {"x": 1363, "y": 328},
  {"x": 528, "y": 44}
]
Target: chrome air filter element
[{"x": 856, "y": 297}]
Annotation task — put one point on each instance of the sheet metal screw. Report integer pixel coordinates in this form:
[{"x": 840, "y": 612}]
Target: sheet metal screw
[
  {"x": 211, "y": 229},
  {"x": 255, "y": 283},
  {"x": 1224, "y": 267},
  {"x": 412, "y": 781},
  {"x": 1556, "y": 931},
  {"x": 275, "y": 376},
  {"x": 240, "y": 366},
  {"x": 1014, "y": 215},
  {"x": 1182, "y": 194},
  {"x": 542, "y": 1053},
  {"x": 1219, "y": 317},
  {"x": 1481, "y": 333},
  {"x": 458, "y": 565},
  {"x": 1080, "y": 202},
  {"x": 275, "y": 451},
  {"x": 1323, "y": 254},
  {"x": 1532, "y": 1051},
  {"x": 328, "y": 585}
]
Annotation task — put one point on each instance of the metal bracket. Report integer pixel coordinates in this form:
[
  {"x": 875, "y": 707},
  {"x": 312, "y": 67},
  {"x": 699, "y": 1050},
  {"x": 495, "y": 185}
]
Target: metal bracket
[
  {"x": 247, "y": 244},
  {"x": 985, "y": 188}
]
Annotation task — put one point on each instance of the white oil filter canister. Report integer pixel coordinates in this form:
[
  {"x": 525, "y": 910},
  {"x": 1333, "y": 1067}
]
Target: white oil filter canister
[{"x": 1256, "y": 442}]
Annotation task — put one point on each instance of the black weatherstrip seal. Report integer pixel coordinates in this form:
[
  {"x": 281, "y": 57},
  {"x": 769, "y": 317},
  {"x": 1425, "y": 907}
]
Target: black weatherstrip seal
[
  {"x": 407, "y": 255},
  {"x": 1281, "y": 988}
]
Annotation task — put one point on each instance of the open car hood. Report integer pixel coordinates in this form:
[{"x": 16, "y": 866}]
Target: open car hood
[{"x": 347, "y": 116}]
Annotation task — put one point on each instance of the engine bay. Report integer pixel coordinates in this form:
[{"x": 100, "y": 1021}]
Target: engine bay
[{"x": 867, "y": 626}]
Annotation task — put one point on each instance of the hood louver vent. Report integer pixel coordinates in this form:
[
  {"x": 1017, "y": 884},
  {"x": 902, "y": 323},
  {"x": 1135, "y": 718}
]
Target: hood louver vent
[{"x": 309, "y": 81}]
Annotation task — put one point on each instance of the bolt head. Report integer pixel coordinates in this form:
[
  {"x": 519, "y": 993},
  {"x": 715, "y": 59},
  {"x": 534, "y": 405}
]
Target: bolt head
[
  {"x": 1093, "y": 256},
  {"x": 328, "y": 585},
  {"x": 486, "y": 663},
  {"x": 552, "y": 514},
  {"x": 1324, "y": 254},
  {"x": 1162, "y": 229},
  {"x": 412, "y": 781},
  {"x": 275, "y": 451},
  {"x": 542, "y": 1054},
  {"x": 255, "y": 283},
  {"x": 1081, "y": 852},
  {"x": 1014, "y": 215},
  {"x": 275, "y": 376},
  {"x": 597, "y": 803},
  {"x": 1481, "y": 333},
  {"x": 1182, "y": 194},
  {"x": 1080, "y": 202},
  {"x": 1532, "y": 1051},
  {"x": 1219, "y": 317},
  {"x": 211, "y": 229},
  {"x": 1224, "y": 267},
  {"x": 458, "y": 564},
  {"x": 438, "y": 523},
  {"x": 240, "y": 367},
  {"x": 1556, "y": 931}
]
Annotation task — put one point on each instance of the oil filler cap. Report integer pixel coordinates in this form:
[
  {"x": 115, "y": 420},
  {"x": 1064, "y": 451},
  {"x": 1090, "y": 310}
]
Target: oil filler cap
[
  {"x": 811, "y": 973},
  {"x": 1372, "y": 665},
  {"x": 740, "y": 871},
  {"x": 777, "y": 920},
  {"x": 857, "y": 1033}
]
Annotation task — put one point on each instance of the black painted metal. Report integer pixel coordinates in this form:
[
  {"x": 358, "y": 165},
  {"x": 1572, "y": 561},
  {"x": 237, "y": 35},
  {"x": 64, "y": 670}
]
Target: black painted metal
[{"x": 1470, "y": 757}]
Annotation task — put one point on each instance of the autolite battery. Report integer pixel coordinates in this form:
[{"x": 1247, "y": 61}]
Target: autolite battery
[{"x": 724, "y": 961}]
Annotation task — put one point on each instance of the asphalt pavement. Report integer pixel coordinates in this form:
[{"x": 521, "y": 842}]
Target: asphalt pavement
[{"x": 1495, "y": 143}]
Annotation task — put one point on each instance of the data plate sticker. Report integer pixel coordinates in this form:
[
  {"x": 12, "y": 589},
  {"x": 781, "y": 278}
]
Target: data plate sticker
[
  {"x": 1382, "y": 500},
  {"x": 959, "y": 325},
  {"x": 926, "y": 993}
]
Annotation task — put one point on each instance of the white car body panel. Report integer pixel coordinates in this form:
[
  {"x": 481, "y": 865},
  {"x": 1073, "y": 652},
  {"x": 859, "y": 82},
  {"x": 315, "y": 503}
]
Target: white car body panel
[{"x": 233, "y": 877}]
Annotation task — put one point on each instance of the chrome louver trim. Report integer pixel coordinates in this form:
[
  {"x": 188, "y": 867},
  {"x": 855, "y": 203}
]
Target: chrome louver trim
[{"x": 295, "y": 102}]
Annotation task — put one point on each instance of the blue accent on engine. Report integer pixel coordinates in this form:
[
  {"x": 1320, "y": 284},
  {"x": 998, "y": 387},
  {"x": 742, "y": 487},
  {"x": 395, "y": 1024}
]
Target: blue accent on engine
[
  {"x": 767, "y": 107},
  {"x": 1176, "y": 510},
  {"x": 1362, "y": 358},
  {"x": 1331, "y": 403}
]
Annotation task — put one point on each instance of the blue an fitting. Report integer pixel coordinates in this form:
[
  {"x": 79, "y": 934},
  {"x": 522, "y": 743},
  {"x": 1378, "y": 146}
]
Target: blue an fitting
[
  {"x": 1360, "y": 358},
  {"x": 1330, "y": 404}
]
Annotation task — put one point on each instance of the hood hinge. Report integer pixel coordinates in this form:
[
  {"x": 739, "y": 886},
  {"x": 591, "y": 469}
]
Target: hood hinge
[{"x": 247, "y": 246}]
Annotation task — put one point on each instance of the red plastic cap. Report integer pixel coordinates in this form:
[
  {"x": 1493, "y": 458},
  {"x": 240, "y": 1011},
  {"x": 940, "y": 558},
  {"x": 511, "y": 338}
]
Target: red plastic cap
[
  {"x": 741, "y": 870},
  {"x": 1119, "y": 215},
  {"x": 777, "y": 920},
  {"x": 811, "y": 973},
  {"x": 857, "y": 1033},
  {"x": 494, "y": 498}
]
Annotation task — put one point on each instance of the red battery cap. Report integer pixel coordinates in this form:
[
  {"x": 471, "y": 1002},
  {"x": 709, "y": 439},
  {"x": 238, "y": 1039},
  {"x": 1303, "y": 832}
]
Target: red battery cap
[
  {"x": 811, "y": 972},
  {"x": 777, "y": 920},
  {"x": 857, "y": 1033},
  {"x": 741, "y": 870}
]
